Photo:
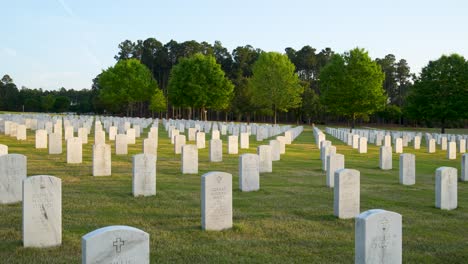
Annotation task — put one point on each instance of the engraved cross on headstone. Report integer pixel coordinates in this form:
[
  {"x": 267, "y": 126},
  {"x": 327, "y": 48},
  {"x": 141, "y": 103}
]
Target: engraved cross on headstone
[{"x": 118, "y": 243}]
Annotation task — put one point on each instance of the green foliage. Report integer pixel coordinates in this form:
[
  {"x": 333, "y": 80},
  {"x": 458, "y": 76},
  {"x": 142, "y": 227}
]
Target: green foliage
[
  {"x": 441, "y": 92},
  {"x": 125, "y": 84},
  {"x": 199, "y": 82},
  {"x": 47, "y": 102},
  {"x": 351, "y": 85},
  {"x": 61, "y": 104},
  {"x": 158, "y": 101},
  {"x": 9, "y": 94},
  {"x": 274, "y": 83}
]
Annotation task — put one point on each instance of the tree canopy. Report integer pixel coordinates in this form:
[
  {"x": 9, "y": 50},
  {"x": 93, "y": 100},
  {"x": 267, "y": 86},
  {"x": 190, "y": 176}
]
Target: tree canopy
[
  {"x": 275, "y": 85},
  {"x": 126, "y": 85},
  {"x": 351, "y": 85},
  {"x": 441, "y": 92},
  {"x": 199, "y": 82}
]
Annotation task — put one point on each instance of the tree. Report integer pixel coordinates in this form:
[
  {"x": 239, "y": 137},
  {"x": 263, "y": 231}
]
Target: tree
[
  {"x": 199, "y": 82},
  {"x": 441, "y": 91},
  {"x": 275, "y": 85},
  {"x": 351, "y": 85},
  {"x": 9, "y": 94},
  {"x": 158, "y": 101},
  {"x": 127, "y": 85},
  {"x": 47, "y": 102},
  {"x": 61, "y": 104}
]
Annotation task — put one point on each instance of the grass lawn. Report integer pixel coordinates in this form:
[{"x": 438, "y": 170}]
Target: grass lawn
[{"x": 290, "y": 220}]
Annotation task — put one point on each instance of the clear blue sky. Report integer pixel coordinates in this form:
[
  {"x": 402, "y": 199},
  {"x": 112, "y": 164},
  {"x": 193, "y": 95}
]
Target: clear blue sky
[{"x": 55, "y": 43}]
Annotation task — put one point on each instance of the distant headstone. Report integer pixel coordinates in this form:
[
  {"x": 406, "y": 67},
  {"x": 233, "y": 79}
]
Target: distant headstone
[
  {"x": 387, "y": 141},
  {"x": 149, "y": 146},
  {"x": 462, "y": 146},
  {"x": 189, "y": 159},
  {"x": 249, "y": 172},
  {"x": 116, "y": 244},
  {"x": 398, "y": 145},
  {"x": 216, "y": 150},
  {"x": 244, "y": 140},
  {"x": 201, "y": 140},
  {"x": 431, "y": 146},
  {"x": 355, "y": 144},
  {"x": 21, "y": 132},
  {"x": 55, "y": 143},
  {"x": 378, "y": 237},
  {"x": 192, "y": 133},
  {"x": 275, "y": 150},
  {"x": 233, "y": 145},
  {"x": 407, "y": 169},
  {"x": 385, "y": 158},
  {"x": 42, "y": 211},
  {"x": 446, "y": 188},
  {"x": 417, "y": 142},
  {"x": 74, "y": 150},
  {"x": 131, "y": 135},
  {"x": 112, "y": 133},
  {"x": 443, "y": 143},
  {"x": 215, "y": 134},
  {"x": 102, "y": 160},
  {"x": 216, "y": 200},
  {"x": 144, "y": 175},
  {"x": 41, "y": 139},
  {"x": 334, "y": 162},
  {"x": 12, "y": 173},
  {"x": 3, "y": 149},
  {"x": 99, "y": 137},
  {"x": 452, "y": 150},
  {"x": 83, "y": 134},
  {"x": 282, "y": 141},
  {"x": 362, "y": 145},
  {"x": 464, "y": 167},
  {"x": 179, "y": 141},
  {"x": 346, "y": 193},
  {"x": 121, "y": 144},
  {"x": 264, "y": 153}
]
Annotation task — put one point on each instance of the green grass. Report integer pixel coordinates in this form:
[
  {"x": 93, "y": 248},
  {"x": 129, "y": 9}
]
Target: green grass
[{"x": 290, "y": 220}]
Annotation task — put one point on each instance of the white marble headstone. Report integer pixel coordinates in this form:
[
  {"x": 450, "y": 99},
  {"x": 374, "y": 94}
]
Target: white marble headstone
[
  {"x": 249, "y": 172},
  {"x": 216, "y": 200},
  {"x": 13, "y": 168},
  {"x": 144, "y": 175}
]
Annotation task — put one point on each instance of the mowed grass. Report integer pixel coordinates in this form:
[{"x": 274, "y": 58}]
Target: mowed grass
[{"x": 290, "y": 220}]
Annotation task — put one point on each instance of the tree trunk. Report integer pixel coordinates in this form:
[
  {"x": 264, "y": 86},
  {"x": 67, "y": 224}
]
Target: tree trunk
[
  {"x": 442, "y": 130},
  {"x": 274, "y": 109}
]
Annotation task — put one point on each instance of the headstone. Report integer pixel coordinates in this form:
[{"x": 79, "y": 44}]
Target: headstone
[
  {"x": 407, "y": 169},
  {"x": 334, "y": 162},
  {"x": 21, "y": 132},
  {"x": 13, "y": 169},
  {"x": 362, "y": 145},
  {"x": 452, "y": 150},
  {"x": 55, "y": 143},
  {"x": 216, "y": 200},
  {"x": 387, "y": 141},
  {"x": 417, "y": 142},
  {"x": 131, "y": 134},
  {"x": 443, "y": 143},
  {"x": 282, "y": 141},
  {"x": 41, "y": 139},
  {"x": 179, "y": 141},
  {"x": 99, "y": 137},
  {"x": 346, "y": 193},
  {"x": 378, "y": 237},
  {"x": 462, "y": 146},
  {"x": 249, "y": 172},
  {"x": 431, "y": 146},
  {"x": 149, "y": 146},
  {"x": 83, "y": 134},
  {"x": 233, "y": 145},
  {"x": 144, "y": 175},
  {"x": 264, "y": 153},
  {"x": 192, "y": 133},
  {"x": 121, "y": 145},
  {"x": 398, "y": 145},
  {"x": 201, "y": 140},
  {"x": 3, "y": 149},
  {"x": 464, "y": 167},
  {"x": 327, "y": 150},
  {"x": 115, "y": 244},
  {"x": 446, "y": 188},
  {"x": 42, "y": 211},
  {"x": 275, "y": 150},
  {"x": 189, "y": 159},
  {"x": 74, "y": 150},
  {"x": 112, "y": 133},
  {"x": 355, "y": 144},
  {"x": 215, "y": 134},
  {"x": 244, "y": 140},
  {"x": 385, "y": 158},
  {"x": 102, "y": 160},
  {"x": 216, "y": 150}
]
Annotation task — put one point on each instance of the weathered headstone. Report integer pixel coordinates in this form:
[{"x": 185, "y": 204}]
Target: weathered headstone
[
  {"x": 144, "y": 175},
  {"x": 102, "y": 160},
  {"x": 385, "y": 158},
  {"x": 13, "y": 169},
  {"x": 446, "y": 188},
  {"x": 216, "y": 200},
  {"x": 264, "y": 153},
  {"x": 346, "y": 193},
  {"x": 42, "y": 211},
  {"x": 189, "y": 159},
  {"x": 334, "y": 162},
  {"x": 116, "y": 244},
  {"x": 378, "y": 237},
  {"x": 121, "y": 144},
  {"x": 41, "y": 139},
  {"x": 233, "y": 145},
  {"x": 216, "y": 150},
  {"x": 55, "y": 143},
  {"x": 249, "y": 172},
  {"x": 407, "y": 169},
  {"x": 74, "y": 150}
]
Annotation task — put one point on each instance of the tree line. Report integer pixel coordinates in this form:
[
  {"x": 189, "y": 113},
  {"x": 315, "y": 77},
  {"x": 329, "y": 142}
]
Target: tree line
[{"x": 202, "y": 81}]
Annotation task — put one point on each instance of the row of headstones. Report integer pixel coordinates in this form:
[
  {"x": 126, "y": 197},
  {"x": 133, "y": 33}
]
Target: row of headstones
[
  {"x": 42, "y": 224},
  {"x": 446, "y": 177},
  {"x": 359, "y": 141}
]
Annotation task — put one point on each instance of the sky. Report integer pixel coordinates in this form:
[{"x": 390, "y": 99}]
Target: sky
[{"x": 65, "y": 43}]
